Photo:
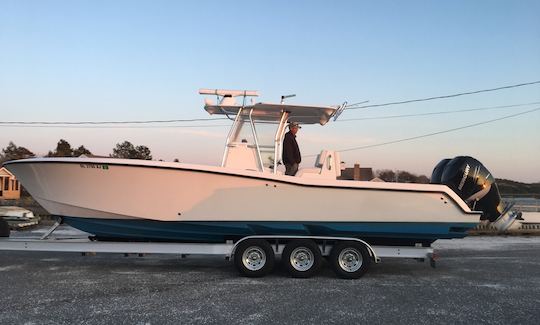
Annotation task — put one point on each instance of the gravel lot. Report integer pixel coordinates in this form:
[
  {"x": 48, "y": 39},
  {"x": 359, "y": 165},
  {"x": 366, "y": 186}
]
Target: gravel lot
[{"x": 492, "y": 280}]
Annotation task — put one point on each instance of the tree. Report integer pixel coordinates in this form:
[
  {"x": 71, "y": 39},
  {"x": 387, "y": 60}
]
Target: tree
[
  {"x": 81, "y": 151},
  {"x": 386, "y": 175},
  {"x": 63, "y": 149},
  {"x": 127, "y": 150},
  {"x": 13, "y": 152},
  {"x": 423, "y": 179},
  {"x": 143, "y": 153},
  {"x": 406, "y": 177}
]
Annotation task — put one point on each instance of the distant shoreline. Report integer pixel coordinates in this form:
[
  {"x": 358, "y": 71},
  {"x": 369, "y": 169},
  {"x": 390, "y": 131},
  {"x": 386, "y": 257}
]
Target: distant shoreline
[{"x": 509, "y": 188}]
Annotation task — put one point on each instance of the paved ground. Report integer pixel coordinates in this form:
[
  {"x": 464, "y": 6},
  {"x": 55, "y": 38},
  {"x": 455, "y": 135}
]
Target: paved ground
[{"x": 477, "y": 280}]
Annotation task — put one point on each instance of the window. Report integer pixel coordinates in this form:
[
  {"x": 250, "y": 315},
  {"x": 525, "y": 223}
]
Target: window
[
  {"x": 16, "y": 185},
  {"x": 12, "y": 184},
  {"x": 6, "y": 184}
]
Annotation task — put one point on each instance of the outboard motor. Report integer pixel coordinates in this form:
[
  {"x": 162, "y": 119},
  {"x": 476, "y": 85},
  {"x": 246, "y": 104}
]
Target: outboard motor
[{"x": 473, "y": 182}]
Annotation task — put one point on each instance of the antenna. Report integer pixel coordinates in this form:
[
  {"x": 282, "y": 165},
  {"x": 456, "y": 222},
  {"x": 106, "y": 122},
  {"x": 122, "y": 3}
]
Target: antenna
[
  {"x": 286, "y": 96},
  {"x": 228, "y": 93},
  {"x": 343, "y": 107}
]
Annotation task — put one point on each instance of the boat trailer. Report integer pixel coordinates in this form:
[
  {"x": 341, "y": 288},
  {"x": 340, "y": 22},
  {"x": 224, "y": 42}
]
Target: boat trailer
[{"x": 253, "y": 256}]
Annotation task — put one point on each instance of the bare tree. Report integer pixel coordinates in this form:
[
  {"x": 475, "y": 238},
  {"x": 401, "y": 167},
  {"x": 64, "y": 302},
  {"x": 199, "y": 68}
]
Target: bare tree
[
  {"x": 406, "y": 177},
  {"x": 386, "y": 175}
]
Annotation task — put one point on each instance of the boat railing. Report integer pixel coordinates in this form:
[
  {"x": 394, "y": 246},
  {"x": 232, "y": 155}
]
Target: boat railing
[
  {"x": 231, "y": 132},
  {"x": 255, "y": 138}
]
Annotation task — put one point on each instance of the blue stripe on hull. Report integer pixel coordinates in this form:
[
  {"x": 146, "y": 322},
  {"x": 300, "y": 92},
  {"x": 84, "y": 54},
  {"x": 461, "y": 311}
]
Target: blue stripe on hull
[{"x": 376, "y": 233}]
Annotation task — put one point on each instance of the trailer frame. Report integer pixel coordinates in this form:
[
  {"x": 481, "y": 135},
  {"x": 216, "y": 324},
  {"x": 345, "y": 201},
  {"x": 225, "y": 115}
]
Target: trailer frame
[
  {"x": 275, "y": 245},
  {"x": 227, "y": 249}
]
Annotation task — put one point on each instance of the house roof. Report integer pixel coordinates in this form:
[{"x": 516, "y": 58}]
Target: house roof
[
  {"x": 5, "y": 172},
  {"x": 92, "y": 156}
]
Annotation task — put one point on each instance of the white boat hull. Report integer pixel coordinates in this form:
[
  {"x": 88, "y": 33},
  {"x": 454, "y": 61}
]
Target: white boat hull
[{"x": 131, "y": 190}]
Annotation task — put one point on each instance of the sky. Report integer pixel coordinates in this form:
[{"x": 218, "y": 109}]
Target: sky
[{"x": 146, "y": 60}]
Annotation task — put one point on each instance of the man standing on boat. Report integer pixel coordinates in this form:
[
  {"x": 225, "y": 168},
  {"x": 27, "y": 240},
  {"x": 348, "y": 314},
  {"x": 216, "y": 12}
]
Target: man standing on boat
[{"x": 291, "y": 152}]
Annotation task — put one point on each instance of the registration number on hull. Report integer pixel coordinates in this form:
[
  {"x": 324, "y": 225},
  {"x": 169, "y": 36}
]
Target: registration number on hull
[{"x": 95, "y": 166}]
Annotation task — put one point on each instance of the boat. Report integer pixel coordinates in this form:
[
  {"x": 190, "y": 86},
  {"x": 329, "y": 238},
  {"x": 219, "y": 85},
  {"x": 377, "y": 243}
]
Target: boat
[
  {"x": 14, "y": 213},
  {"x": 248, "y": 194},
  {"x": 14, "y": 217}
]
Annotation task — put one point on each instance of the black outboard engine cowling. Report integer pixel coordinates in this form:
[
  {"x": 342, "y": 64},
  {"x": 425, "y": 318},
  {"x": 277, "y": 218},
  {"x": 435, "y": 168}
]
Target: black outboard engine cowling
[
  {"x": 473, "y": 183},
  {"x": 438, "y": 171}
]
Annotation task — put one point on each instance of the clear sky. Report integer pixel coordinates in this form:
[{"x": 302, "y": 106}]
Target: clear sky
[{"x": 139, "y": 60}]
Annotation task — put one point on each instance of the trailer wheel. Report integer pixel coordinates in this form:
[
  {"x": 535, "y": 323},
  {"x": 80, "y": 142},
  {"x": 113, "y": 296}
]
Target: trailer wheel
[
  {"x": 349, "y": 259},
  {"x": 254, "y": 258},
  {"x": 302, "y": 258},
  {"x": 4, "y": 228}
]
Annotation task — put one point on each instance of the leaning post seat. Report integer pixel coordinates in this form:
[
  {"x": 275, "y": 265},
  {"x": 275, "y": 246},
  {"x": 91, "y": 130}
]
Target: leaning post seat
[{"x": 327, "y": 165}]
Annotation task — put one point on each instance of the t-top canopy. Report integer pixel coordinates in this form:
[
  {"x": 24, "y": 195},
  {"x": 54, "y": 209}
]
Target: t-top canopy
[{"x": 273, "y": 112}]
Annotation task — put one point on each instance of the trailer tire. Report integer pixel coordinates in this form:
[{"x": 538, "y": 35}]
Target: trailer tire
[
  {"x": 4, "y": 228},
  {"x": 349, "y": 259},
  {"x": 254, "y": 258},
  {"x": 302, "y": 258}
]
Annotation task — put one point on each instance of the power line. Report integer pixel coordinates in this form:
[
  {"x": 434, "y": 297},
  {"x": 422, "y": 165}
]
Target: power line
[
  {"x": 351, "y": 106},
  {"x": 354, "y": 106},
  {"x": 112, "y": 122},
  {"x": 441, "y": 132},
  {"x": 436, "y": 113},
  {"x": 436, "y": 133},
  {"x": 114, "y": 127}
]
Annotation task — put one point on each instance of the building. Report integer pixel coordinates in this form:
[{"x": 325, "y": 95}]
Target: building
[
  {"x": 10, "y": 188},
  {"x": 357, "y": 174},
  {"x": 92, "y": 156}
]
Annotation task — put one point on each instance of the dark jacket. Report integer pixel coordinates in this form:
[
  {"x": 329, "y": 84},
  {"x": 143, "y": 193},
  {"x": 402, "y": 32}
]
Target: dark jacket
[{"x": 291, "y": 152}]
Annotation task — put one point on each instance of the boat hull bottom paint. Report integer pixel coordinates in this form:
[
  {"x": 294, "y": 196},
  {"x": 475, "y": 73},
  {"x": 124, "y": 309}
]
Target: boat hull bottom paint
[{"x": 375, "y": 233}]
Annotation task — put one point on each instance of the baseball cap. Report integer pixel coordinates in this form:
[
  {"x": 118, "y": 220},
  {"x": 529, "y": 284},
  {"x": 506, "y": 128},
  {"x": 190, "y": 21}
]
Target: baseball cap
[{"x": 293, "y": 124}]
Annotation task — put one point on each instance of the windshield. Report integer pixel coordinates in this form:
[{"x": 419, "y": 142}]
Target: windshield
[{"x": 265, "y": 132}]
